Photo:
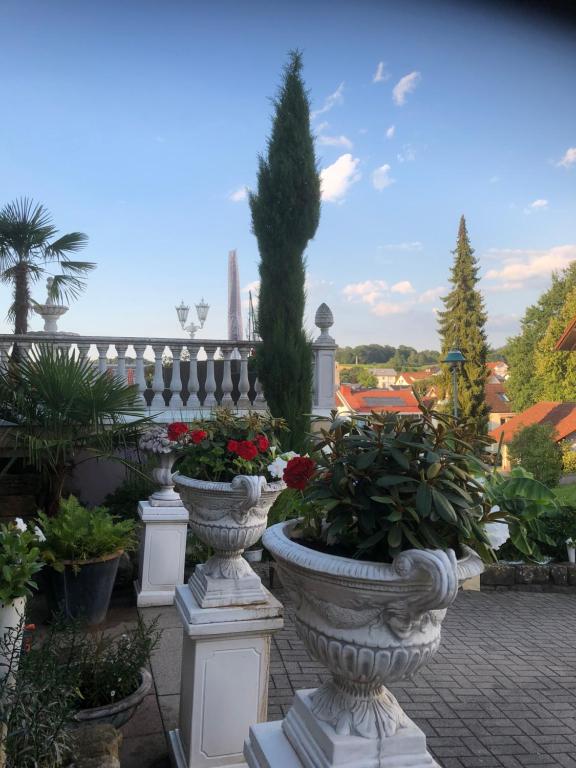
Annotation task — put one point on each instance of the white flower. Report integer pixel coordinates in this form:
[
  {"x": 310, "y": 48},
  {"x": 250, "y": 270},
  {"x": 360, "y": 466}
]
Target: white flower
[
  {"x": 497, "y": 533},
  {"x": 39, "y": 533},
  {"x": 112, "y": 694},
  {"x": 290, "y": 455},
  {"x": 20, "y": 524},
  {"x": 277, "y": 467}
]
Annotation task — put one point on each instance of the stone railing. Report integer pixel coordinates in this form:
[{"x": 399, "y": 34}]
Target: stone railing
[{"x": 175, "y": 375}]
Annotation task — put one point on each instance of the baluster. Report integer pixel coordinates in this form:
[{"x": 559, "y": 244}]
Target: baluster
[
  {"x": 4, "y": 355},
  {"x": 158, "y": 381},
  {"x": 139, "y": 377},
  {"x": 176, "y": 384},
  {"x": 83, "y": 349},
  {"x": 121, "y": 362},
  {"x": 259, "y": 400},
  {"x": 244, "y": 384},
  {"x": 102, "y": 350},
  {"x": 210, "y": 386},
  {"x": 227, "y": 400},
  {"x": 193, "y": 385}
]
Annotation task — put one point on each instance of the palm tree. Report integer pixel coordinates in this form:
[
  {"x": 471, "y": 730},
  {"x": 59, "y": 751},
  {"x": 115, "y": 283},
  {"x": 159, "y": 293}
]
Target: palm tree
[
  {"x": 63, "y": 412},
  {"x": 27, "y": 252}
]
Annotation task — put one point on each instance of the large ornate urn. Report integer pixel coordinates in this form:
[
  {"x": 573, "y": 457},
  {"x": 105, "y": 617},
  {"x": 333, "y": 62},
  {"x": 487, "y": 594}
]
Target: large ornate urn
[
  {"x": 228, "y": 517},
  {"x": 371, "y": 624}
]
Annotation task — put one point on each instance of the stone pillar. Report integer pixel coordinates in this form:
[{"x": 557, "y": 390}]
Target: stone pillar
[
  {"x": 225, "y": 670},
  {"x": 162, "y": 547},
  {"x": 324, "y": 363}
]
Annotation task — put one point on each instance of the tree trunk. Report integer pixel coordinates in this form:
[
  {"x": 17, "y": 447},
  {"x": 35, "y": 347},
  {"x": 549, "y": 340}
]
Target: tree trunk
[{"x": 21, "y": 299}]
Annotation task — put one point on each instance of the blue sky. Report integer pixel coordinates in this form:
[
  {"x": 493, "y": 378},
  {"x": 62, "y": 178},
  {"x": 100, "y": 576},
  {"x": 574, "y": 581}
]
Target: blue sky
[{"x": 140, "y": 122}]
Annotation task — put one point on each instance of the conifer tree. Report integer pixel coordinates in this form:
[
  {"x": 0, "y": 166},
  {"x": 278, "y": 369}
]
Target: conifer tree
[
  {"x": 461, "y": 326},
  {"x": 554, "y": 371},
  {"x": 285, "y": 215}
]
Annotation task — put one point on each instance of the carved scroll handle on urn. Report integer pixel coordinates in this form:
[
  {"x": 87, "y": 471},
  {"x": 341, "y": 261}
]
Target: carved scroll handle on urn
[{"x": 252, "y": 485}]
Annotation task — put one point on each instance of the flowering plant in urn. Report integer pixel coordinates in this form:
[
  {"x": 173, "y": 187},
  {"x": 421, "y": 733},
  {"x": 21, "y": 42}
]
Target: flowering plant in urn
[
  {"x": 392, "y": 522},
  {"x": 227, "y": 482},
  {"x": 163, "y": 442}
]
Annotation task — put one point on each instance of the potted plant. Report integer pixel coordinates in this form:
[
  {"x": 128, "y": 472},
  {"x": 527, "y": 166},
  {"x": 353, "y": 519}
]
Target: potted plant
[
  {"x": 225, "y": 484},
  {"x": 19, "y": 561},
  {"x": 83, "y": 547},
  {"x": 392, "y": 522},
  {"x": 162, "y": 442}
]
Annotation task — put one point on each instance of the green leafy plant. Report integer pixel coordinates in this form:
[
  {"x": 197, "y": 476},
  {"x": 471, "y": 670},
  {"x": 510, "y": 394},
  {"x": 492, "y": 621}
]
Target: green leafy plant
[
  {"x": 77, "y": 534},
  {"x": 568, "y": 456},
  {"x": 227, "y": 445},
  {"x": 20, "y": 559},
  {"x": 62, "y": 407},
  {"x": 386, "y": 484},
  {"x": 123, "y": 502},
  {"x": 536, "y": 450}
]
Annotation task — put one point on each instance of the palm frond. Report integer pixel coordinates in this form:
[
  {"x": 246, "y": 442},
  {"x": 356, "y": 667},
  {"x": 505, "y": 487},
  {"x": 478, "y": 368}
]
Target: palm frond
[
  {"x": 70, "y": 243},
  {"x": 77, "y": 267},
  {"x": 66, "y": 287}
]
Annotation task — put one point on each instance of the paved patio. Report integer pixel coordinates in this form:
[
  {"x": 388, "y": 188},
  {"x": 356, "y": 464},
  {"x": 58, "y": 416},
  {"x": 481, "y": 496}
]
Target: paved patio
[{"x": 501, "y": 692}]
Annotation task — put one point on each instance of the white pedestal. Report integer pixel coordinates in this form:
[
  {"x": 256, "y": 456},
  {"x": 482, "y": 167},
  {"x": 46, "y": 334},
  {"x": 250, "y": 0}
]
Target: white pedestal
[
  {"x": 225, "y": 669},
  {"x": 303, "y": 741},
  {"x": 216, "y": 592},
  {"x": 162, "y": 553}
]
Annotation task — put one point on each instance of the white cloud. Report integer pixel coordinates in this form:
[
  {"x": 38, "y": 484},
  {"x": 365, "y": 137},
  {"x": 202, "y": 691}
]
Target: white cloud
[
  {"x": 408, "y": 155},
  {"x": 239, "y": 195},
  {"x": 335, "y": 141},
  {"x": 416, "y": 245},
  {"x": 405, "y": 86},
  {"x": 520, "y": 266},
  {"x": 330, "y": 101},
  {"x": 337, "y": 178},
  {"x": 431, "y": 294},
  {"x": 384, "y": 308},
  {"x": 368, "y": 292},
  {"x": 404, "y": 286},
  {"x": 381, "y": 177},
  {"x": 390, "y": 132},
  {"x": 537, "y": 205},
  {"x": 254, "y": 286},
  {"x": 380, "y": 76},
  {"x": 569, "y": 158}
]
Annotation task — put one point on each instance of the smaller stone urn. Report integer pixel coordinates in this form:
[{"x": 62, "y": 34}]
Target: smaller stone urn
[
  {"x": 229, "y": 517},
  {"x": 50, "y": 312},
  {"x": 156, "y": 441}
]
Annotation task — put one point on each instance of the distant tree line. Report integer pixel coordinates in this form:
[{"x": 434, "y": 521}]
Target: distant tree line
[{"x": 400, "y": 358}]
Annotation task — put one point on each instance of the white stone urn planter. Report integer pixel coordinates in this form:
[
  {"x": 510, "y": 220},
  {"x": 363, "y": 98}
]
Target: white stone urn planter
[
  {"x": 228, "y": 517},
  {"x": 165, "y": 496},
  {"x": 11, "y": 618},
  {"x": 371, "y": 624}
]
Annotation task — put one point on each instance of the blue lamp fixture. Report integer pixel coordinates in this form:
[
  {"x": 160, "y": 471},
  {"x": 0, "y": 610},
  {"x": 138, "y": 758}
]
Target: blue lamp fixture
[{"x": 454, "y": 359}]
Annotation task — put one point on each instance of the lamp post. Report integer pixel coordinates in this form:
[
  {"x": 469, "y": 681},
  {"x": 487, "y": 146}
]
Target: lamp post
[
  {"x": 201, "y": 310},
  {"x": 454, "y": 359}
]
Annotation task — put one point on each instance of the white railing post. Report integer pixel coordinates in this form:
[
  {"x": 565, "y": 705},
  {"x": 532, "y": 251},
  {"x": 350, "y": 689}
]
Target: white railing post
[
  {"x": 139, "y": 375},
  {"x": 193, "y": 384},
  {"x": 259, "y": 400},
  {"x": 121, "y": 362},
  {"x": 176, "y": 381},
  {"x": 244, "y": 383},
  {"x": 158, "y": 381},
  {"x": 210, "y": 385},
  {"x": 102, "y": 350},
  {"x": 227, "y": 400},
  {"x": 324, "y": 363}
]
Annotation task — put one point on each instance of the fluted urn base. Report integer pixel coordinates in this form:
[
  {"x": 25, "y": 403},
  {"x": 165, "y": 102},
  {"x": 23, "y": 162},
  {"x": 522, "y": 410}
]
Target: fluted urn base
[{"x": 304, "y": 741}]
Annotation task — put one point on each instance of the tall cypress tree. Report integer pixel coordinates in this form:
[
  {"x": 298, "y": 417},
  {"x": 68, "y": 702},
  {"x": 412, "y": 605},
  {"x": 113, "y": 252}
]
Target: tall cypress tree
[
  {"x": 285, "y": 216},
  {"x": 461, "y": 326}
]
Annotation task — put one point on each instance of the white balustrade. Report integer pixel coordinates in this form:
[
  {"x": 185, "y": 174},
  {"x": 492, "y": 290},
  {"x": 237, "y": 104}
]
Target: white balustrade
[{"x": 106, "y": 352}]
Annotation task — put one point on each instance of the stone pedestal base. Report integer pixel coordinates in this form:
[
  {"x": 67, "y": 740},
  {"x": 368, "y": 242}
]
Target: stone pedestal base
[
  {"x": 162, "y": 553},
  {"x": 225, "y": 669},
  {"x": 303, "y": 741},
  {"x": 211, "y": 592}
]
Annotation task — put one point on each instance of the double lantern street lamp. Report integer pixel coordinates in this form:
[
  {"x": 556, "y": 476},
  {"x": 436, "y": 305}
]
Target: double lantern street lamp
[
  {"x": 201, "y": 310},
  {"x": 454, "y": 360}
]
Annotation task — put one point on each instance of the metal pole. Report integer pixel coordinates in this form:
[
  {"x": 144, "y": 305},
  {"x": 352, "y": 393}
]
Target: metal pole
[{"x": 455, "y": 390}]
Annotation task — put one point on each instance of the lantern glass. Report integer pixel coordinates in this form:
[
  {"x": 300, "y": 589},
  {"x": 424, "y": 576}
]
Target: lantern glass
[
  {"x": 182, "y": 312},
  {"x": 202, "y": 309}
]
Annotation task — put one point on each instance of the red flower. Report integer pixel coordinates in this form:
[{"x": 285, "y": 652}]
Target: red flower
[
  {"x": 262, "y": 443},
  {"x": 232, "y": 446},
  {"x": 298, "y": 472},
  {"x": 247, "y": 450},
  {"x": 176, "y": 429},
  {"x": 198, "y": 435}
]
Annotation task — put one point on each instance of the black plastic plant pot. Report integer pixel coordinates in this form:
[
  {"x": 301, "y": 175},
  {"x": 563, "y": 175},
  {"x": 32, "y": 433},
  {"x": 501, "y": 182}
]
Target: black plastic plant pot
[{"x": 83, "y": 590}]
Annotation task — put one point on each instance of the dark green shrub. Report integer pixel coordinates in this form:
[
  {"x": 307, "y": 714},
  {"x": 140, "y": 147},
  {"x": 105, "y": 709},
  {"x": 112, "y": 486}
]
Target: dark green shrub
[{"x": 536, "y": 450}]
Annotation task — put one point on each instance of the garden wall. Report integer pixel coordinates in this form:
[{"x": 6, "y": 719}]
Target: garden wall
[{"x": 529, "y": 577}]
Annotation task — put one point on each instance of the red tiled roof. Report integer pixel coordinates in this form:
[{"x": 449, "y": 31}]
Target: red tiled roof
[
  {"x": 367, "y": 400},
  {"x": 412, "y": 376},
  {"x": 561, "y": 415},
  {"x": 567, "y": 342},
  {"x": 495, "y": 395}
]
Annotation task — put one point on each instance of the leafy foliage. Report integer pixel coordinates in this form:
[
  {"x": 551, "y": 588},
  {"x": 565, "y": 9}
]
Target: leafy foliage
[
  {"x": 401, "y": 357},
  {"x": 62, "y": 406},
  {"x": 358, "y": 375},
  {"x": 568, "y": 456},
  {"x": 554, "y": 370},
  {"x": 123, "y": 501},
  {"x": 222, "y": 452},
  {"x": 79, "y": 534},
  {"x": 19, "y": 561},
  {"x": 525, "y": 385},
  {"x": 536, "y": 450},
  {"x": 28, "y": 247},
  {"x": 388, "y": 484},
  {"x": 285, "y": 215},
  {"x": 461, "y": 326}
]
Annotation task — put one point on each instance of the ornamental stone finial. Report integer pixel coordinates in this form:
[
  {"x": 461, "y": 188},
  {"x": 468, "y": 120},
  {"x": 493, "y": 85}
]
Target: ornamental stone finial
[{"x": 324, "y": 320}]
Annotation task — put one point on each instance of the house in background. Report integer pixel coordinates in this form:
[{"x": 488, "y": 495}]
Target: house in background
[
  {"x": 364, "y": 401},
  {"x": 498, "y": 402},
  {"x": 409, "y": 378},
  {"x": 497, "y": 371},
  {"x": 386, "y": 377},
  {"x": 561, "y": 415}
]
